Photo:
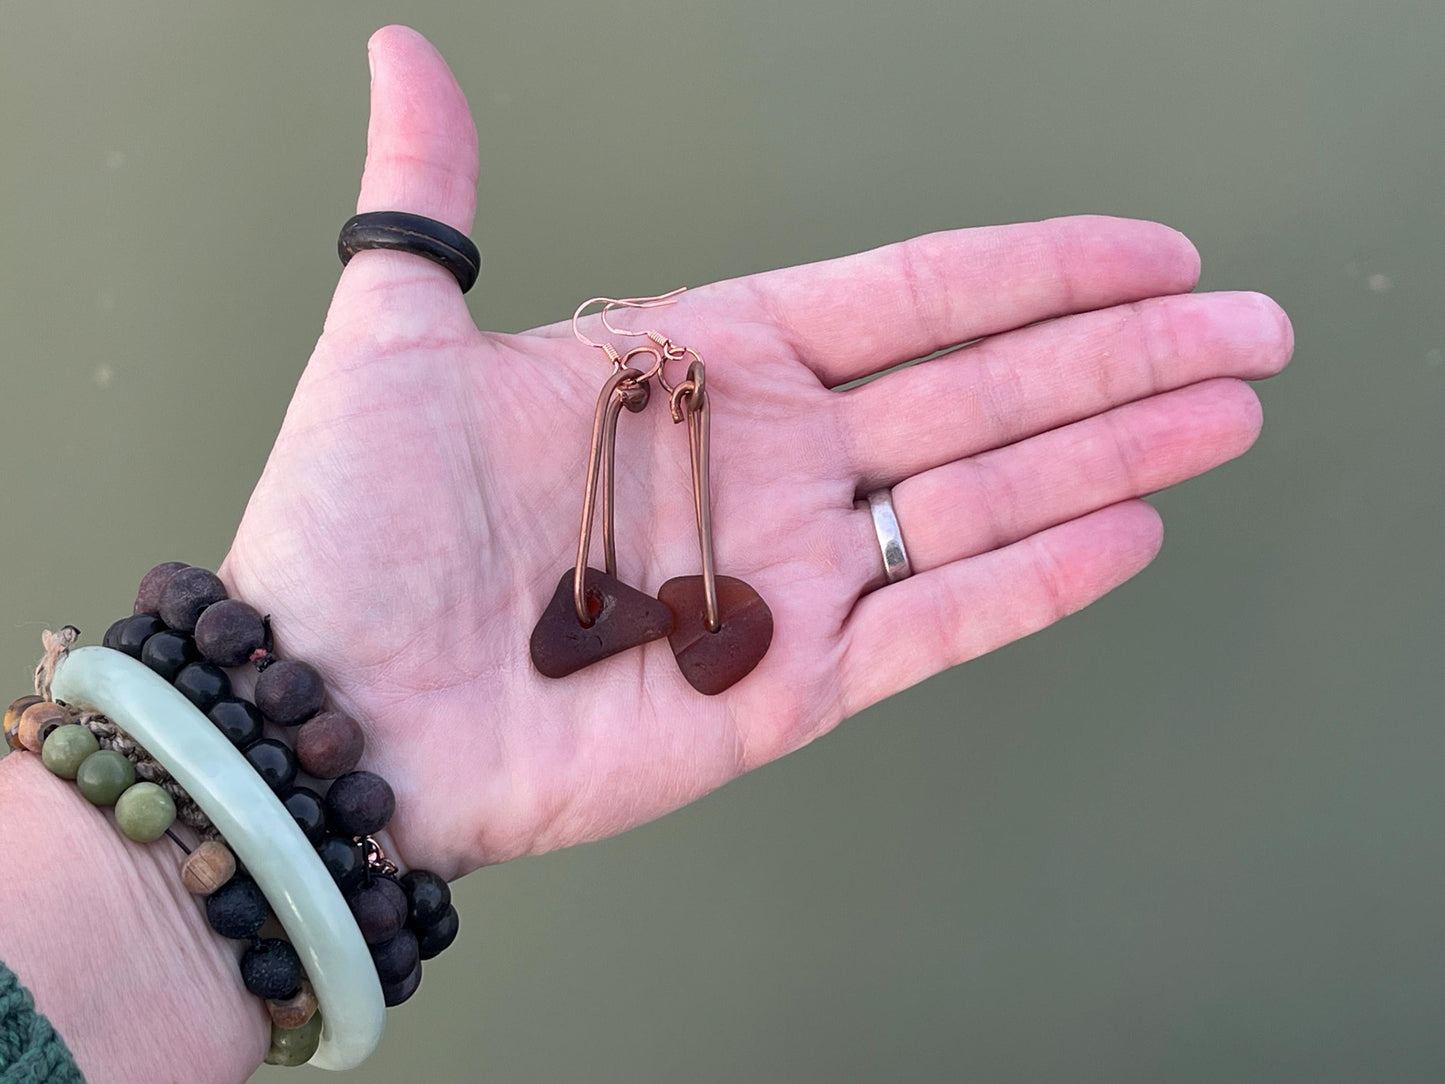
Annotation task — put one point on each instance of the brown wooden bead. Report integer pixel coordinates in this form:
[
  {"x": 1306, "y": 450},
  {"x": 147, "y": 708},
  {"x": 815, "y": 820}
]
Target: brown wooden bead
[
  {"x": 714, "y": 661},
  {"x": 37, "y": 721},
  {"x": 12, "y": 719},
  {"x": 294, "y": 1011},
  {"x": 329, "y": 744},
  {"x": 207, "y": 868}
]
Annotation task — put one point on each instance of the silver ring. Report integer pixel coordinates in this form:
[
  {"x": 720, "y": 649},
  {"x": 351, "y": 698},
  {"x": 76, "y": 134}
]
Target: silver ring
[{"x": 890, "y": 538}]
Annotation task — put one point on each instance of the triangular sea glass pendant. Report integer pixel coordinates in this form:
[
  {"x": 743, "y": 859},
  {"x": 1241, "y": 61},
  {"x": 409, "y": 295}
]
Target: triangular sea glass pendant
[{"x": 622, "y": 617}]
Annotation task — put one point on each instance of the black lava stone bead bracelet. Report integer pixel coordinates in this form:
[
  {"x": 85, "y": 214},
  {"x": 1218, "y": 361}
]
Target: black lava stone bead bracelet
[{"x": 186, "y": 629}]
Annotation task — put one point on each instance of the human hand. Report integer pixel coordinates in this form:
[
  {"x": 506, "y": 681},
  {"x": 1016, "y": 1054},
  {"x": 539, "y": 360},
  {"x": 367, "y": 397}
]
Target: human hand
[{"x": 421, "y": 499}]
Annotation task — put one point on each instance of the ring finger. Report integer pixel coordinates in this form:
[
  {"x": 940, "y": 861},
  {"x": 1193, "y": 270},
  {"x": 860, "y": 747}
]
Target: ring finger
[{"x": 982, "y": 503}]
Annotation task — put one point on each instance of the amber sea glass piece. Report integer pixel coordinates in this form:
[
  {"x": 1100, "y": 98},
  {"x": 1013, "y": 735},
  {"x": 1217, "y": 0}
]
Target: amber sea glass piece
[
  {"x": 714, "y": 661},
  {"x": 622, "y": 617}
]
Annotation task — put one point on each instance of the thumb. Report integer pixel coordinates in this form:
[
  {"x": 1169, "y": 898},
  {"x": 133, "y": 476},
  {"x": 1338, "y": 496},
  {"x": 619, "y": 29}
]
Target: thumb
[{"x": 421, "y": 157}]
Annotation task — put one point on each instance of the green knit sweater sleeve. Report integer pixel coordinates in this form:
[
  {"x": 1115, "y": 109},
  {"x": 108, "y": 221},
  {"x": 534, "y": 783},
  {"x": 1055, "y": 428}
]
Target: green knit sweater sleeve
[{"x": 30, "y": 1050}]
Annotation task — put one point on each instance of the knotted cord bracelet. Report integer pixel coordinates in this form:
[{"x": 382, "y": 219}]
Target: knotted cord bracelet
[
  {"x": 187, "y": 632},
  {"x": 236, "y": 907}
]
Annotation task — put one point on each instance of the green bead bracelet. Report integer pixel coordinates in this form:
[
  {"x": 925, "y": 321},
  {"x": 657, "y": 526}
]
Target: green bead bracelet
[{"x": 143, "y": 811}]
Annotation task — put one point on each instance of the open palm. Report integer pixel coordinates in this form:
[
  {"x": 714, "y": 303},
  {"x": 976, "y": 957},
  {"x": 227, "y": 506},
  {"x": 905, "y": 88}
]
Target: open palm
[{"x": 421, "y": 500}]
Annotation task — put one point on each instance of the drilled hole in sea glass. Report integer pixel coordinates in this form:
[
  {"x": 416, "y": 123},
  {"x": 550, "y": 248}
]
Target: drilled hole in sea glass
[{"x": 593, "y": 598}]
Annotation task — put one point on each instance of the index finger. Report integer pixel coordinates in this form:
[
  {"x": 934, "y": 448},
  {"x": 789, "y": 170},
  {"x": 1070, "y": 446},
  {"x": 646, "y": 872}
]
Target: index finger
[{"x": 857, "y": 315}]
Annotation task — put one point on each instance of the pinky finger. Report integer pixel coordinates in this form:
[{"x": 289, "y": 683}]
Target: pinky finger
[{"x": 911, "y": 630}]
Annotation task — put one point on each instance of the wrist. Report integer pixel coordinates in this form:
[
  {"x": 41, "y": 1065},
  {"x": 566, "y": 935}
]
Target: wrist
[{"x": 117, "y": 955}]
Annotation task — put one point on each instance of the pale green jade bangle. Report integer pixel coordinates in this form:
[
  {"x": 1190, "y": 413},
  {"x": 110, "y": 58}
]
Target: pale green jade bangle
[{"x": 256, "y": 826}]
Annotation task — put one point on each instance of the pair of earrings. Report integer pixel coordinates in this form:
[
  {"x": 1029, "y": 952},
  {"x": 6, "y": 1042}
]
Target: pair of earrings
[{"x": 719, "y": 628}]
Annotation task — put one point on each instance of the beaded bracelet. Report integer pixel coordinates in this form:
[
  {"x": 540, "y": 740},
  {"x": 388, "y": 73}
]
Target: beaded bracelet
[
  {"x": 268, "y": 842},
  {"x": 188, "y": 632}
]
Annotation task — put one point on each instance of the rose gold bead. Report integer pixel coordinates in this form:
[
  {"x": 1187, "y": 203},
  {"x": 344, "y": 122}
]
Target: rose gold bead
[
  {"x": 207, "y": 868},
  {"x": 12, "y": 719},
  {"x": 296, "y": 1010},
  {"x": 37, "y": 721}
]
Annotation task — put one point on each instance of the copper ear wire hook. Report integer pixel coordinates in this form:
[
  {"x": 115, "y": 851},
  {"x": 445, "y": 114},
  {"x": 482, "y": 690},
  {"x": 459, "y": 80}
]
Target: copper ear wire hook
[
  {"x": 626, "y": 387},
  {"x": 607, "y": 303},
  {"x": 671, "y": 351},
  {"x": 689, "y": 401},
  {"x": 607, "y": 348},
  {"x": 656, "y": 302}
]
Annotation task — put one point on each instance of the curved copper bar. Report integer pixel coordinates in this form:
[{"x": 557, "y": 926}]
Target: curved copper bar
[
  {"x": 689, "y": 400},
  {"x": 606, "y": 479},
  {"x": 600, "y": 465}
]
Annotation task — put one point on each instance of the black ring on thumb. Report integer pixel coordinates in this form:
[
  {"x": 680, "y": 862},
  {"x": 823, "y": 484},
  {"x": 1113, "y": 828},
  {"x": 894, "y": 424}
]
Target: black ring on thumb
[{"x": 417, "y": 234}]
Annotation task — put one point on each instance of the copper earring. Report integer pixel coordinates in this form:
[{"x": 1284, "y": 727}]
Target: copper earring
[
  {"x": 718, "y": 627},
  {"x": 592, "y": 614},
  {"x": 722, "y": 628}
]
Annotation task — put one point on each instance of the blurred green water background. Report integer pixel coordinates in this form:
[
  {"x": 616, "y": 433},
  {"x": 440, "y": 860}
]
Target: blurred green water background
[{"x": 1192, "y": 834}]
